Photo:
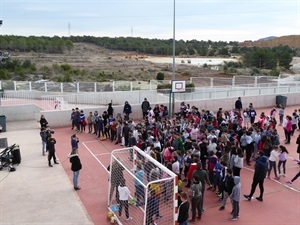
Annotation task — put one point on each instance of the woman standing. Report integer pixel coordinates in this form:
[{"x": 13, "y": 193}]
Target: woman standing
[
  {"x": 75, "y": 167},
  {"x": 272, "y": 162},
  {"x": 288, "y": 129},
  {"x": 196, "y": 196},
  {"x": 127, "y": 110},
  {"x": 50, "y": 147},
  {"x": 298, "y": 143},
  {"x": 43, "y": 121},
  {"x": 238, "y": 162}
]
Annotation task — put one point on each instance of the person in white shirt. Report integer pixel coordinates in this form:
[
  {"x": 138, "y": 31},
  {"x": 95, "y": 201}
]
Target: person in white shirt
[
  {"x": 156, "y": 143},
  {"x": 272, "y": 162},
  {"x": 194, "y": 133},
  {"x": 211, "y": 135},
  {"x": 123, "y": 197},
  {"x": 212, "y": 146},
  {"x": 246, "y": 118},
  {"x": 175, "y": 166}
]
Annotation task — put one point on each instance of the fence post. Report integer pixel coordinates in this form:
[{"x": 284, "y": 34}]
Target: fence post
[
  {"x": 233, "y": 81},
  {"x": 30, "y": 89},
  {"x": 130, "y": 86},
  {"x": 150, "y": 83},
  {"x": 113, "y": 86},
  {"x": 95, "y": 87},
  {"x": 211, "y": 82},
  {"x": 278, "y": 80},
  {"x": 255, "y": 82},
  {"x": 77, "y": 87},
  {"x": 46, "y": 89},
  {"x": 61, "y": 87},
  {"x": 15, "y": 85}
]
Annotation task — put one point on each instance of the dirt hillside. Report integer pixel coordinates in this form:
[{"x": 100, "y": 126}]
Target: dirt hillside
[{"x": 115, "y": 65}]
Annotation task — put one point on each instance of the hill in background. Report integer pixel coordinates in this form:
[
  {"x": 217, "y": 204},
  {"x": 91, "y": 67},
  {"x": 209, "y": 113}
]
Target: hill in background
[{"x": 290, "y": 40}]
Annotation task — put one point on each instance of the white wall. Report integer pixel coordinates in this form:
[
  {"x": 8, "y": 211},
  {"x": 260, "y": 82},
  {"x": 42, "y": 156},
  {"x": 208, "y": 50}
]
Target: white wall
[
  {"x": 61, "y": 118},
  {"x": 20, "y": 112}
]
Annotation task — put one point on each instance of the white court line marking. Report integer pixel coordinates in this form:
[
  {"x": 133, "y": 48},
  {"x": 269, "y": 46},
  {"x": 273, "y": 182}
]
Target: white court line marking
[
  {"x": 104, "y": 167},
  {"x": 90, "y": 142},
  {"x": 293, "y": 189},
  {"x": 293, "y": 166},
  {"x": 107, "y": 153},
  {"x": 94, "y": 155}
]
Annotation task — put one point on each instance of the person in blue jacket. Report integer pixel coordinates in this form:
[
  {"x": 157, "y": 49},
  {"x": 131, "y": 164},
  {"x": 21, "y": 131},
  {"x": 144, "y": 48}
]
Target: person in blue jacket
[{"x": 260, "y": 172}]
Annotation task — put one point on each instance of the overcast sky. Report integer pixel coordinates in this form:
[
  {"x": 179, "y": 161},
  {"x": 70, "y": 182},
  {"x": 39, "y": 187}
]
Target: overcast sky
[{"x": 225, "y": 20}]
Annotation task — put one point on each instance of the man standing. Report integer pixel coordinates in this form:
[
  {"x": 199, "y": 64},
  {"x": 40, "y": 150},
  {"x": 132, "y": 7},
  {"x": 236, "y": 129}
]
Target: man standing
[
  {"x": 145, "y": 107},
  {"x": 261, "y": 168},
  {"x": 183, "y": 210},
  {"x": 252, "y": 113},
  {"x": 238, "y": 104}
]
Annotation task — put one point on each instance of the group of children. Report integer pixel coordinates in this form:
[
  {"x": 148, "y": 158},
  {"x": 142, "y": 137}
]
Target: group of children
[{"x": 219, "y": 141}]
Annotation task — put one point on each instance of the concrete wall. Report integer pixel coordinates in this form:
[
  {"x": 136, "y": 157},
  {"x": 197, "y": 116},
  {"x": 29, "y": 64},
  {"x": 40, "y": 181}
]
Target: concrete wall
[
  {"x": 62, "y": 117},
  {"x": 21, "y": 112},
  {"x": 59, "y": 118}
]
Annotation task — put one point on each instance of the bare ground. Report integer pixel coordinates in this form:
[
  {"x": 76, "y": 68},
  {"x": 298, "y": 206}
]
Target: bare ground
[{"x": 113, "y": 65}]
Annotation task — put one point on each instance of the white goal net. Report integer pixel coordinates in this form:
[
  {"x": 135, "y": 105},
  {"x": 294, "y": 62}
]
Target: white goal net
[{"x": 150, "y": 188}]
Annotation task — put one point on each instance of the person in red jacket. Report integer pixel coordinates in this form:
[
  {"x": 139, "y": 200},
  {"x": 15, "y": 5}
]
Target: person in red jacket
[{"x": 192, "y": 168}]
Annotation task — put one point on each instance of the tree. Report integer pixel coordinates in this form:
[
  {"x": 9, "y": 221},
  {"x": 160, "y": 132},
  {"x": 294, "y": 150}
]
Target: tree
[
  {"x": 69, "y": 45},
  {"x": 160, "y": 76}
]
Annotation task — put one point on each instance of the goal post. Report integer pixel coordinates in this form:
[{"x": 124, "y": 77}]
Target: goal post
[{"x": 153, "y": 188}]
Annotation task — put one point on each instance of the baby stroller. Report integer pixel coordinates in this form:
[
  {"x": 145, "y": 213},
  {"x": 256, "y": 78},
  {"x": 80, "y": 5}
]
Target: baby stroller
[{"x": 9, "y": 157}]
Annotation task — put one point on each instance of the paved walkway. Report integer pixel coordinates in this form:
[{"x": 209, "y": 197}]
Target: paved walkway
[{"x": 37, "y": 194}]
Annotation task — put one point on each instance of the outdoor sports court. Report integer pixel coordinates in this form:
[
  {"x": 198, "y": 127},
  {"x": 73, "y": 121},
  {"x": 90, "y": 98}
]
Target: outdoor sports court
[{"x": 281, "y": 203}]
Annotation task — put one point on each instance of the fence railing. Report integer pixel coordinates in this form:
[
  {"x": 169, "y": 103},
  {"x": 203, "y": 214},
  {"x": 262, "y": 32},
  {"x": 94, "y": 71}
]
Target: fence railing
[
  {"x": 75, "y": 87},
  {"x": 54, "y": 100}
]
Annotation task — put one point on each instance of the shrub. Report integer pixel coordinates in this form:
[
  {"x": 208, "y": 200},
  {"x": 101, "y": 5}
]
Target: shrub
[
  {"x": 4, "y": 75},
  {"x": 65, "y": 67},
  {"x": 160, "y": 76},
  {"x": 26, "y": 64}
]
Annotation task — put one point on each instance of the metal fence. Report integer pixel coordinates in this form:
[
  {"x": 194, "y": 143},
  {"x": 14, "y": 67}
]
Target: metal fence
[
  {"x": 52, "y": 95},
  {"x": 75, "y": 87},
  {"x": 52, "y": 100}
]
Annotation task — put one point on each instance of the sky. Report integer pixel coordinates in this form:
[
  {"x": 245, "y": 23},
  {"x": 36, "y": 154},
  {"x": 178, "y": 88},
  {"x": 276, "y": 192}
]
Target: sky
[{"x": 216, "y": 20}]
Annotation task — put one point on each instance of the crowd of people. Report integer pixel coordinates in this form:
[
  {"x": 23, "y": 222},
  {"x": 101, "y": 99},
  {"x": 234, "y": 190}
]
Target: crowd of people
[{"x": 202, "y": 147}]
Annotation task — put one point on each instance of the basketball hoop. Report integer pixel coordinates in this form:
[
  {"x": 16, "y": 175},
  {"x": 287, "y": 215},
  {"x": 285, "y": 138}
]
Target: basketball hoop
[{"x": 178, "y": 86}]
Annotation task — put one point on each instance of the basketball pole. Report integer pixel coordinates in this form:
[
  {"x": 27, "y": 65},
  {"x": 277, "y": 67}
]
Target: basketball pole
[{"x": 173, "y": 68}]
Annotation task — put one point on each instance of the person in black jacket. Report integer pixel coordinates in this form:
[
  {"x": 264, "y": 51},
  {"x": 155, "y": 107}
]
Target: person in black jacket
[
  {"x": 261, "y": 167},
  {"x": 125, "y": 132},
  {"x": 238, "y": 104},
  {"x": 145, "y": 107},
  {"x": 227, "y": 184},
  {"x": 75, "y": 167},
  {"x": 127, "y": 110},
  {"x": 50, "y": 147},
  {"x": 110, "y": 110},
  {"x": 183, "y": 210},
  {"x": 43, "y": 121}
]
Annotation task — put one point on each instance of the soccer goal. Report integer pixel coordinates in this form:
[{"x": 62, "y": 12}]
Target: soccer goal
[{"x": 153, "y": 188}]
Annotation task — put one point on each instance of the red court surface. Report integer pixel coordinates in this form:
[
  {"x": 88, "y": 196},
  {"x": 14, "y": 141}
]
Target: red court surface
[{"x": 281, "y": 203}]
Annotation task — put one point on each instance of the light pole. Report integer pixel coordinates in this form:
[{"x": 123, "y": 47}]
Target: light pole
[{"x": 173, "y": 67}]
